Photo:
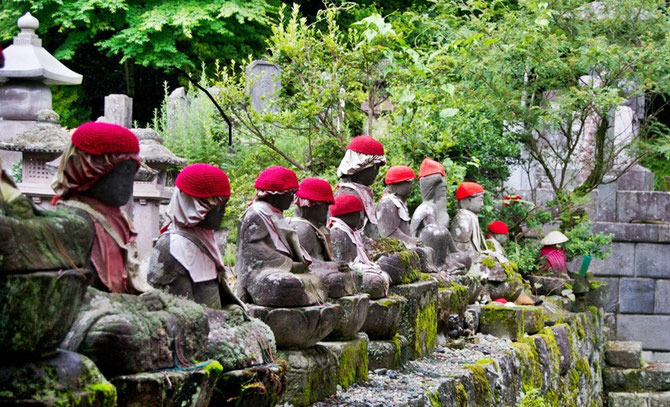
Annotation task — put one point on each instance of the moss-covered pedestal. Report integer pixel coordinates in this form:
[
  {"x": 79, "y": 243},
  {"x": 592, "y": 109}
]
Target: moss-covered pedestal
[
  {"x": 387, "y": 353},
  {"x": 312, "y": 375},
  {"x": 510, "y": 322},
  {"x": 190, "y": 386},
  {"x": 65, "y": 378},
  {"x": 352, "y": 359},
  {"x": 37, "y": 310},
  {"x": 451, "y": 300},
  {"x": 418, "y": 319}
]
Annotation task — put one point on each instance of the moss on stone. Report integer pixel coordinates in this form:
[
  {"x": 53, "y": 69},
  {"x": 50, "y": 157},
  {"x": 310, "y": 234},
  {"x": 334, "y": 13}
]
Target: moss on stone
[
  {"x": 531, "y": 373},
  {"x": 501, "y": 321},
  {"x": 481, "y": 383},
  {"x": 461, "y": 395},
  {"x": 213, "y": 368},
  {"x": 425, "y": 329},
  {"x": 352, "y": 366},
  {"x": 433, "y": 398}
]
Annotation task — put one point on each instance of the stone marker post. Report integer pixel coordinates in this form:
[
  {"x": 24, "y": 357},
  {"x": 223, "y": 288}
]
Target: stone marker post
[
  {"x": 119, "y": 110},
  {"x": 265, "y": 81}
]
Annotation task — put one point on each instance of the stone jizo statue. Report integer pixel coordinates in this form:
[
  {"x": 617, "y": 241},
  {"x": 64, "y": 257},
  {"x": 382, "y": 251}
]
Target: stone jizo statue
[
  {"x": 95, "y": 177},
  {"x": 272, "y": 266},
  {"x": 347, "y": 218},
  {"x": 467, "y": 235},
  {"x": 357, "y": 171},
  {"x": 552, "y": 254},
  {"x": 497, "y": 237},
  {"x": 392, "y": 212},
  {"x": 430, "y": 221},
  {"x": 186, "y": 260},
  {"x": 312, "y": 200}
]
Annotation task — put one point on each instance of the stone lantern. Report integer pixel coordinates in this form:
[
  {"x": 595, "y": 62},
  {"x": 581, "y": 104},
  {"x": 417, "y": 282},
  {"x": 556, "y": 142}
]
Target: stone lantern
[
  {"x": 41, "y": 144},
  {"x": 28, "y": 70},
  {"x": 153, "y": 187}
]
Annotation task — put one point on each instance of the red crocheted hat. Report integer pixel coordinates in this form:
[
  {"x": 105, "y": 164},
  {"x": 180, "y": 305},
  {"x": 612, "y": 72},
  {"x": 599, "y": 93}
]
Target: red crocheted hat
[
  {"x": 430, "y": 167},
  {"x": 345, "y": 203},
  {"x": 498, "y": 227},
  {"x": 316, "y": 189},
  {"x": 276, "y": 178},
  {"x": 203, "y": 181},
  {"x": 101, "y": 138},
  {"x": 467, "y": 189},
  {"x": 366, "y": 145},
  {"x": 398, "y": 173}
]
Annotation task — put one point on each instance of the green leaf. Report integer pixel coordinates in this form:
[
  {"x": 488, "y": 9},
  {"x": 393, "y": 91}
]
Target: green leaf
[{"x": 448, "y": 112}]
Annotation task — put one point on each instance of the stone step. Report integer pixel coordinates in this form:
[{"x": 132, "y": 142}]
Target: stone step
[
  {"x": 642, "y": 206},
  {"x": 624, "y": 354},
  {"x": 652, "y": 399},
  {"x": 352, "y": 359},
  {"x": 650, "y": 377}
]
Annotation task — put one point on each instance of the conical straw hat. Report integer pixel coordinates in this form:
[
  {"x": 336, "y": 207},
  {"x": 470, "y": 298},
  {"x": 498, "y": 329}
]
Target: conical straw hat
[{"x": 553, "y": 238}]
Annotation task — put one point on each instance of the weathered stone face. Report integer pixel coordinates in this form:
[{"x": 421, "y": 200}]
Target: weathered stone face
[{"x": 116, "y": 187}]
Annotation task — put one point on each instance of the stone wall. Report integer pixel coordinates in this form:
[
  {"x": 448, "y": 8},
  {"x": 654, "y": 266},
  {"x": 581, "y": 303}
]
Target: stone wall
[{"x": 638, "y": 271}]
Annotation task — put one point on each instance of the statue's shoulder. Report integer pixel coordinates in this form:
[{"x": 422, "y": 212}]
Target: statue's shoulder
[{"x": 252, "y": 226}]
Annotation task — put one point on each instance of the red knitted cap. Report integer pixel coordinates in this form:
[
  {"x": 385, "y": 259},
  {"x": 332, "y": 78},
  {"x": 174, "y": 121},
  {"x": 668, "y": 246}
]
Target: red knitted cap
[
  {"x": 102, "y": 138},
  {"x": 203, "y": 181},
  {"x": 316, "y": 189},
  {"x": 345, "y": 203},
  {"x": 498, "y": 227},
  {"x": 467, "y": 189},
  {"x": 366, "y": 145},
  {"x": 398, "y": 173},
  {"x": 276, "y": 179},
  {"x": 430, "y": 167}
]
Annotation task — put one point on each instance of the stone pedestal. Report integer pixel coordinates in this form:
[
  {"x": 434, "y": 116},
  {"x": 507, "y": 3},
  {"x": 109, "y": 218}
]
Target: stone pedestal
[
  {"x": 353, "y": 311},
  {"x": 300, "y": 327},
  {"x": 383, "y": 317},
  {"x": 418, "y": 320},
  {"x": 352, "y": 359},
  {"x": 451, "y": 300},
  {"x": 387, "y": 354},
  {"x": 190, "y": 386},
  {"x": 311, "y": 375}
]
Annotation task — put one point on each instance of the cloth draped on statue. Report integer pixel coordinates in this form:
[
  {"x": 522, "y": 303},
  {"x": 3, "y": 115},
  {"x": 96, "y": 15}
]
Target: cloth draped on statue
[
  {"x": 367, "y": 199},
  {"x": 556, "y": 258},
  {"x": 114, "y": 252}
]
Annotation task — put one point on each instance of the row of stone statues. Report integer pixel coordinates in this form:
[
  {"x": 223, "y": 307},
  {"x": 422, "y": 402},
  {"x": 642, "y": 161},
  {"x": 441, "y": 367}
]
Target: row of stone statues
[{"x": 324, "y": 273}]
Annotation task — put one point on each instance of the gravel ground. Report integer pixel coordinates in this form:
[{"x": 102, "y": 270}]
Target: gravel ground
[{"x": 408, "y": 387}]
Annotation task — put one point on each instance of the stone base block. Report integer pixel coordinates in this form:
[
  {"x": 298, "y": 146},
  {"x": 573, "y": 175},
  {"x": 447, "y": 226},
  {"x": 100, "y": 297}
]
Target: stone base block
[
  {"x": 652, "y": 377},
  {"x": 352, "y": 359},
  {"x": 418, "y": 320},
  {"x": 450, "y": 301},
  {"x": 66, "y": 378},
  {"x": 353, "y": 311},
  {"x": 653, "y": 399},
  {"x": 260, "y": 385},
  {"x": 545, "y": 285},
  {"x": 624, "y": 354},
  {"x": 300, "y": 327},
  {"x": 37, "y": 310},
  {"x": 383, "y": 317},
  {"x": 510, "y": 322},
  {"x": 311, "y": 375},
  {"x": 167, "y": 388},
  {"x": 386, "y": 353}
]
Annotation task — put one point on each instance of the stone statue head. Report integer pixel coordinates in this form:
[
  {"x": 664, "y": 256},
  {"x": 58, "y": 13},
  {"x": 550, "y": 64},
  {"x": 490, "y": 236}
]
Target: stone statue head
[
  {"x": 501, "y": 238},
  {"x": 317, "y": 213},
  {"x": 214, "y": 216},
  {"x": 349, "y": 209},
  {"x": 366, "y": 176},
  {"x": 401, "y": 189},
  {"x": 354, "y": 219},
  {"x": 116, "y": 187},
  {"x": 279, "y": 201},
  {"x": 276, "y": 185},
  {"x": 473, "y": 203},
  {"x": 433, "y": 187}
]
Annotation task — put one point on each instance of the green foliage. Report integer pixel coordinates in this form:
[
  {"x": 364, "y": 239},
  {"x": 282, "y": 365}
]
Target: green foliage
[
  {"x": 533, "y": 398},
  {"x": 163, "y": 34},
  {"x": 584, "y": 242},
  {"x": 65, "y": 103}
]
